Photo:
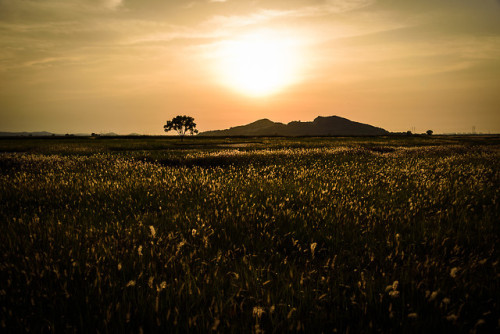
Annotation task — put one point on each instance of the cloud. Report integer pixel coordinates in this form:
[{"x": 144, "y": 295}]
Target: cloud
[
  {"x": 112, "y": 3},
  {"x": 268, "y": 12},
  {"x": 342, "y": 6}
]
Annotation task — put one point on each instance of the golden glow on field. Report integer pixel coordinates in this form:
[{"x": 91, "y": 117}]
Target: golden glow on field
[{"x": 258, "y": 64}]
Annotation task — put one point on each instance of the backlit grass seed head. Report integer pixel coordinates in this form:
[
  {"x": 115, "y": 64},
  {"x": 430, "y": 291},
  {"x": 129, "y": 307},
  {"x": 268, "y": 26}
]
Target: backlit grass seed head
[
  {"x": 162, "y": 286},
  {"x": 392, "y": 289},
  {"x": 452, "y": 317},
  {"x": 313, "y": 248},
  {"x": 394, "y": 294},
  {"x": 258, "y": 312},
  {"x": 480, "y": 322},
  {"x": 413, "y": 315},
  {"x": 433, "y": 295}
]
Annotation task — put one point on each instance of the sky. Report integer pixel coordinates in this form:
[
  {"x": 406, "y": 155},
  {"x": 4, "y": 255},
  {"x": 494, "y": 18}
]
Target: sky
[{"x": 128, "y": 66}]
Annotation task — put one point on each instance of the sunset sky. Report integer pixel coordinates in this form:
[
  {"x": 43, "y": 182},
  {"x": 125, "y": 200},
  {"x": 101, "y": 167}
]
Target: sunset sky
[{"x": 127, "y": 66}]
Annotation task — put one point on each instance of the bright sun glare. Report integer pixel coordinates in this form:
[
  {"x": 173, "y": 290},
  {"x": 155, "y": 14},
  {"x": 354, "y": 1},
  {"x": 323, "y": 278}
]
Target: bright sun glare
[{"x": 258, "y": 64}]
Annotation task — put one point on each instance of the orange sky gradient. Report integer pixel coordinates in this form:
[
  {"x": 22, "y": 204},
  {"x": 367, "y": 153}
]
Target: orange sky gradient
[{"x": 126, "y": 66}]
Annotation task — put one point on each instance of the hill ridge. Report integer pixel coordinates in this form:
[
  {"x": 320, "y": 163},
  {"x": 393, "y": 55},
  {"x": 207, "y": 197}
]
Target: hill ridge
[{"x": 320, "y": 126}]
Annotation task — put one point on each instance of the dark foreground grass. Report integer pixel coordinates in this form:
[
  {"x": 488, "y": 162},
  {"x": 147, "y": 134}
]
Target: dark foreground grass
[{"x": 274, "y": 235}]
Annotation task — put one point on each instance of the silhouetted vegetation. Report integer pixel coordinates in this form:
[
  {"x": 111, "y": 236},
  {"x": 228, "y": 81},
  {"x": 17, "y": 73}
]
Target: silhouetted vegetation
[
  {"x": 315, "y": 234},
  {"x": 181, "y": 124}
]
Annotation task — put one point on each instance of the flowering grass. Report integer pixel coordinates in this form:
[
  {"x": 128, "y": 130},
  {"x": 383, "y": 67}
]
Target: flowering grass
[{"x": 274, "y": 235}]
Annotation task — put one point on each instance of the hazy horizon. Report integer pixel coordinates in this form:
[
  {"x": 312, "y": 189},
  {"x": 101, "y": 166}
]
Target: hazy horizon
[
  {"x": 127, "y": 66},
  {"x": 172, "y": 133}
]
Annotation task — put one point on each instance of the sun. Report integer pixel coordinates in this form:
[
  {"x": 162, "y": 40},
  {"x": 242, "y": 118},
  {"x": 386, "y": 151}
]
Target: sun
[{"x": 258, "y": 64}]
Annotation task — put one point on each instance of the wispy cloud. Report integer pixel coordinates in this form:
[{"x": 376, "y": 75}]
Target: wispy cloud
[
  {"x": 112, "y": 3},
  {"x": 268, "y": 13}
]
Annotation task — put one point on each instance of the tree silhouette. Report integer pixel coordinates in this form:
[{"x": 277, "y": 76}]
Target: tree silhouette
[
  {"x": 429, "y": 132},
  {"x": 181, "y": 124}
]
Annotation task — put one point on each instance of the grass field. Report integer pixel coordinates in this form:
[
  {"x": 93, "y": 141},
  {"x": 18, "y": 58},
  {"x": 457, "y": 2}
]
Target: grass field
[{"x": 250, "y": 234}]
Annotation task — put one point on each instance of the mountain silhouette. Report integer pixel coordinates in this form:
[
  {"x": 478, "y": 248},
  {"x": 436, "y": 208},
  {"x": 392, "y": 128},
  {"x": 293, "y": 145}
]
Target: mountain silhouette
[
  {"x": 26, "y": 134},
  {"x": 321, "y": 126}
]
